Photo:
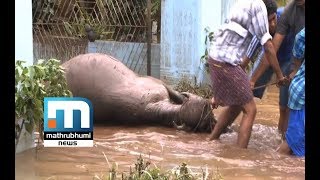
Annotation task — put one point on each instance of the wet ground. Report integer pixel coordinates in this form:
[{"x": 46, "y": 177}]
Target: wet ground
[{"x": 167, "y": 148}]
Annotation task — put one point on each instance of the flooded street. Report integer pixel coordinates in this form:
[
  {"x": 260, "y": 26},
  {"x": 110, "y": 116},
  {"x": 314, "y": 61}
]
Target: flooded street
[{"x": 167, "y": 148}]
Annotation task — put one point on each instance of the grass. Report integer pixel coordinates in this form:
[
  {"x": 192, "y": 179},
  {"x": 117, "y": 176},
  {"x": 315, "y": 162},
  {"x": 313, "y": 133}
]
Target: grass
[
  {"x": 146, "y": 170},
  {"x": 185, "y": 85}
]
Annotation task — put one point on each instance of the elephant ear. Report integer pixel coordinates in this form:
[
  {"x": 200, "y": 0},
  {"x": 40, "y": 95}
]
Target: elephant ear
[{"x": 175, "y": 96}]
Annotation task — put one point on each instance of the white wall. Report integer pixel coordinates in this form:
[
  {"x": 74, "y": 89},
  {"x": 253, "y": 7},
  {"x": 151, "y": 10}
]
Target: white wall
[
  {"x": 210, "y": 17},
  {"x": 24, "y": 51},
  {"x": 183, "y": 35},
  {"x": 23, "y": 31},
  {"x": 179, "y": 39}
]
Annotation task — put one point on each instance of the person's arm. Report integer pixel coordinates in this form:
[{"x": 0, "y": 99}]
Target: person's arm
[
  {"x": 261, "y": 30},
  {"x": 283, "y": 27},
  {"x": 276, "y": 41},
  {"x": 261, "y": 68},
  {"x": 296, "y": 65},
  {"x": 271, "y": 56},
  {"x": 298, "y": 52}
]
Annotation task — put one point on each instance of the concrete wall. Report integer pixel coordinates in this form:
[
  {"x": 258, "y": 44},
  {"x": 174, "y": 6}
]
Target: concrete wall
[
  {"x": 183, "y": 36},
  {"x": 23, "y": 31},
  {"x": 26, "y": 140},
  {"x": 24, "y": 51},
  {"x": 133, "y": 55}
]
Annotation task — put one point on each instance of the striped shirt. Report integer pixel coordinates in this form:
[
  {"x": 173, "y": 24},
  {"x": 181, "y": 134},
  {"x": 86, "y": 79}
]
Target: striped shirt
[
  {"x": 247, "y": 18},
  {"x": 255, "y": 50},
  {"x": 296, "y": 89}
]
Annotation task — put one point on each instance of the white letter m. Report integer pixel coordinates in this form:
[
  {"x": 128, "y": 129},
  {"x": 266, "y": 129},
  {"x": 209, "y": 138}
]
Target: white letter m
[{"x": 68, "y": 107}]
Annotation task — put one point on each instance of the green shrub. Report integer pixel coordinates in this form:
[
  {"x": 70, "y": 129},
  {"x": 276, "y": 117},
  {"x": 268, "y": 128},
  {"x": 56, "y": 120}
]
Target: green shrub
[{"x": 32, "y": 84}]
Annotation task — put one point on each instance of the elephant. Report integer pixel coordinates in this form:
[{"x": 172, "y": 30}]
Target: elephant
[{"x": 122, "y": 97}]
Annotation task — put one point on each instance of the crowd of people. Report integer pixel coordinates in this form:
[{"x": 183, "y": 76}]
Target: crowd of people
[{"x": 273, "y": 39}]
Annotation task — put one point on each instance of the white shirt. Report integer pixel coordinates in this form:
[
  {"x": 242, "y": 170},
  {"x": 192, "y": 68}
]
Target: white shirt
[{"x": 247, "y": 18}]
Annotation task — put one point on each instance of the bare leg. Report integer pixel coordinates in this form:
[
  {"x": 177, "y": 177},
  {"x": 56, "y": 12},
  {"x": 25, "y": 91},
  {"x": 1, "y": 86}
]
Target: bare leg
[
  {"x": 249, "y": 114},
  {"x": 283, "y": 119},
  {"x": 284, "y": 148},
  {"x": 226, "y": 118},
  {"x": 232, "y": 115}
]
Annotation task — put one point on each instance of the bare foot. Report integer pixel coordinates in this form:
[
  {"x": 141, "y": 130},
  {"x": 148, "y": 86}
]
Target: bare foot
[{"x": 284, "y": 148}]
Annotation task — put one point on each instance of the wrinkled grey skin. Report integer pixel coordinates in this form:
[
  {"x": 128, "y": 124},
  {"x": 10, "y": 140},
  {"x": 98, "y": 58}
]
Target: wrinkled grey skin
[{"x": 119, "y": 96}]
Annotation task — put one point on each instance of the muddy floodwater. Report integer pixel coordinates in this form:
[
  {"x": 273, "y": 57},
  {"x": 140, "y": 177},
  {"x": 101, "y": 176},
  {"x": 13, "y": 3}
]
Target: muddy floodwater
[{"x": 168, "y": 148}]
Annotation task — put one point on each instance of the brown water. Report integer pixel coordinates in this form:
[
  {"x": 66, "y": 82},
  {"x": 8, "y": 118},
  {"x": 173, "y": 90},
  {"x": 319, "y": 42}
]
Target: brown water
[{"x": 168, "y": 148}]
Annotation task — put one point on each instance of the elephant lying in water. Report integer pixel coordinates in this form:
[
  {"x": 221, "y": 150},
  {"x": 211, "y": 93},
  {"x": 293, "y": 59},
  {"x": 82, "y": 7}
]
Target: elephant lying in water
[{"x": 120, "y": 96}]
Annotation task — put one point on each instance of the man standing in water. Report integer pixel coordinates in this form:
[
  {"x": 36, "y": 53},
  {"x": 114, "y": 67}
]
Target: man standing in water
[
  {"x": 295, "y": 135},
  {"x": 255, "y": 53},
  {"x": 290, "y": 23},
  {"x": 247, "y": 19}
]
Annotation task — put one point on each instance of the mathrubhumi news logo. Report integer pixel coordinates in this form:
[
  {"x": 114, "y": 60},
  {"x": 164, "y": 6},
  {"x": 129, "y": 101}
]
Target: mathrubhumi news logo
[{"x": 68, "y": 122}]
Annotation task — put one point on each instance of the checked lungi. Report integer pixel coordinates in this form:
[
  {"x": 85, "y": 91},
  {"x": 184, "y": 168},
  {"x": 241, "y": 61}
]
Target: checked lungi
[{"x": 230, "y": 84}]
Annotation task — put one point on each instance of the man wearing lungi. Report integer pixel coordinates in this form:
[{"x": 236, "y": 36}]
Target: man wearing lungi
[{"x": 231, "y": 86}]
